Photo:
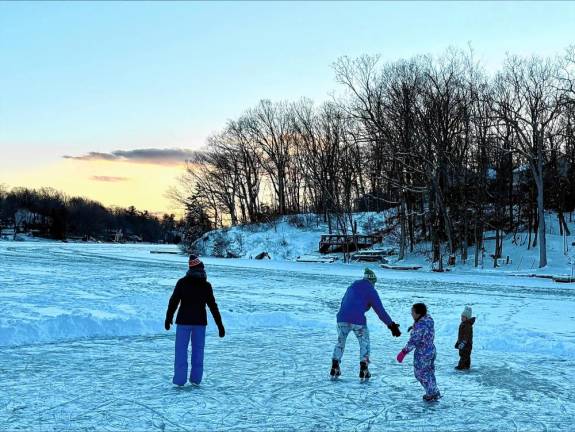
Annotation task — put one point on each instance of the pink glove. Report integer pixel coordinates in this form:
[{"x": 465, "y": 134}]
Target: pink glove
[{"x": 401, "y": 356}]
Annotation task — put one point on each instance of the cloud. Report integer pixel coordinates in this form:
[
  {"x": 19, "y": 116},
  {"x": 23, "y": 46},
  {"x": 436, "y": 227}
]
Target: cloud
[
  {"x": 145, "y": 156},
  {"x": 93, "y": 156},
  {"x": 110, "y": 179}
]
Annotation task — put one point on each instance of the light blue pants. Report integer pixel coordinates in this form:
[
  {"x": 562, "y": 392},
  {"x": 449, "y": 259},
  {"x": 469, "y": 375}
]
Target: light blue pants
[
  {"x": 185, "y": 333},
  {"x": 362, "y": 334}
]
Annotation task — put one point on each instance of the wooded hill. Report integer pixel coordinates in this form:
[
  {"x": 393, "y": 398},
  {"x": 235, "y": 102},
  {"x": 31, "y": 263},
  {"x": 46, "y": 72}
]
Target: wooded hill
[
  {"x": 458, "y": 151},
  {"x": 51, "y": 214}
]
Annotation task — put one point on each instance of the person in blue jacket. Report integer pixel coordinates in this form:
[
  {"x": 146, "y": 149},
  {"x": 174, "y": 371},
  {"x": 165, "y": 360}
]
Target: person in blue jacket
[
  {"x": 358, "y": 299},
  {"x": 190, "y": 297}
]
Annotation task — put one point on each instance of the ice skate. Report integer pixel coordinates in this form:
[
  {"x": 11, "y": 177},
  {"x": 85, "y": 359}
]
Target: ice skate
[
  {"x": 364, "y": 373},
  {"x": 432, "y": 398},
  {"x": 335, "y": 371}
]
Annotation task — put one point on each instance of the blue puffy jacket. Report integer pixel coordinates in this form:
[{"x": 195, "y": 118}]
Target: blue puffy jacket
[{"x": 358, "y": 299}]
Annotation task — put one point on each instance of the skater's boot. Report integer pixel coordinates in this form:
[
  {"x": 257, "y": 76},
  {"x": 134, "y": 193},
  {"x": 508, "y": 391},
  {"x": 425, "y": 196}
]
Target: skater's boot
[
  {"x": 432, "y": 397},
  {"x": 364, "y": 371},
  {"x": 335, "y": 370}
]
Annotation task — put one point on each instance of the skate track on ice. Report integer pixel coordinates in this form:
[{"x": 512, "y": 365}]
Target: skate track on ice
[{"x": 82, "y": 347}]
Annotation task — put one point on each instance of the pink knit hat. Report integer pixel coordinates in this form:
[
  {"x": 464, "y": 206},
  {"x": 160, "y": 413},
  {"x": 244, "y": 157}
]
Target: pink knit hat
[{"x": 195, "y": 261}]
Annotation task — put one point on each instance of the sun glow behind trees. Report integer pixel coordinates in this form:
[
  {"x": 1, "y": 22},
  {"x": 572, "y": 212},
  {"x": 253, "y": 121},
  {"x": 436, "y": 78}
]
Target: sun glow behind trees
[{"x": 112, "y": 183}]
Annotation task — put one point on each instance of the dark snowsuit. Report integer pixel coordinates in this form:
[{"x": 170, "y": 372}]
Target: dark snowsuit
[{"x": 465, "y": 343}]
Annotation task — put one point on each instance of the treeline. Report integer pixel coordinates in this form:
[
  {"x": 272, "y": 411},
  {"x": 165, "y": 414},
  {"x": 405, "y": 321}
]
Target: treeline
[
  {"x": 456, "y": 150},
  {"x": 52, "y": 214}
]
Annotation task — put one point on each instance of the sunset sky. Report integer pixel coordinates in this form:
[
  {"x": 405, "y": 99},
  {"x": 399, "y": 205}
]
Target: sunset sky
[{"x": 107, "y": 100}]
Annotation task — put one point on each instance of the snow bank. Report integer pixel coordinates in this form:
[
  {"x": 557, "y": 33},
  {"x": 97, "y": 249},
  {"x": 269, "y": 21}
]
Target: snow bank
[
  {"x": 494, "y": 334},
  {"x": 69, "y": 327},
  {"x": 290, "y": 237},
  {"x": 529, "y": 342},
  {"x": 285, "y": 239},
  {"x": 64, "y": 327}
]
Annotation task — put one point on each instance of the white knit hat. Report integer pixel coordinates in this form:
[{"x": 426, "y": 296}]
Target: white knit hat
[{"x": 467, "y": 312}]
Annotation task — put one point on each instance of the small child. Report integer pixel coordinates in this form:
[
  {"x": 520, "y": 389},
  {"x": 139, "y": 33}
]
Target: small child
[
  {"x": 421, "y": 339},
  {"x": 465, "y": 339}
]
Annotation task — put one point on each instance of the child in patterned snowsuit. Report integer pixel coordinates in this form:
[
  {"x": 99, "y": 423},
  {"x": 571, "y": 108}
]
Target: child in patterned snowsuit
[{"x": 421, "y": 340}]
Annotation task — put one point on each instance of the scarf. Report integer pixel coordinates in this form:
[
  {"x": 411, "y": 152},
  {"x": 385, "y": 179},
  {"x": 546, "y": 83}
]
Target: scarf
[{"x": 197, "y": 273}]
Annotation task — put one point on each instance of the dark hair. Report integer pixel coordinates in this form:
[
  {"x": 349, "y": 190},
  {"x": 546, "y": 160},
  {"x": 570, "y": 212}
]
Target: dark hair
[{"x": 420, "y": 309}]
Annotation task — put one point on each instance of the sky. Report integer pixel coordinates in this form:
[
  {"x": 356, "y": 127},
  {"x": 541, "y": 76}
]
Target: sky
[{"x": 107, "y": 99}]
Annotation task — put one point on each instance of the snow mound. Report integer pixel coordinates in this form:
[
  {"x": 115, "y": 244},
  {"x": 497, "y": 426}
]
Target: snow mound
[
  {"x": 532, "y": 343},
  {"x": 284, "y": 239},
  {"x": 71, "y": 327}
]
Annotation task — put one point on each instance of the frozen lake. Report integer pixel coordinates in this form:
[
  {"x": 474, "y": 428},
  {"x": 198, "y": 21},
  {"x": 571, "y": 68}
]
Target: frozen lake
[{"x": 82, "y": 347}]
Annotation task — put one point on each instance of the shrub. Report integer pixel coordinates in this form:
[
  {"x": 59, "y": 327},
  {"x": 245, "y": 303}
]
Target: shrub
[
  {"x": 221, "y": 244},
  {"x": 297, "y": 221}
]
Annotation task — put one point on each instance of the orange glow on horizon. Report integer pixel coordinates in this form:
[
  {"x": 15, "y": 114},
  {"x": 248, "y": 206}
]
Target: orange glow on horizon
[{"x": 121, "y": 184}]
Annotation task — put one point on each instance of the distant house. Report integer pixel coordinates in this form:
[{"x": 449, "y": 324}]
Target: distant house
[
  {"x": 118, "y": 236},
  {"x": 24, "y": 218},
  {"x": 30, "y": 222},
  {"x": 114, "y": 235}
]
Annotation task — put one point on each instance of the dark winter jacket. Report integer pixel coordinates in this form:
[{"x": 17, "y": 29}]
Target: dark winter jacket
[
  {"x": 465, "y": 336},
  {"x": 192, "y": 293},
  {"x": 358, "y": 299}
]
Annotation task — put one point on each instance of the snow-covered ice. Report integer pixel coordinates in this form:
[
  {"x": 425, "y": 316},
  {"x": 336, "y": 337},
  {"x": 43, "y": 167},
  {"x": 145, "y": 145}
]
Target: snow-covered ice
[{"x": 82, "y": 347}]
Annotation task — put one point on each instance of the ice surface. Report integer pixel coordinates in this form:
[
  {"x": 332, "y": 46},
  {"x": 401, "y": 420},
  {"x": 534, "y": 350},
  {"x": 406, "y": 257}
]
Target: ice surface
[{"x": 82, "y": 347}]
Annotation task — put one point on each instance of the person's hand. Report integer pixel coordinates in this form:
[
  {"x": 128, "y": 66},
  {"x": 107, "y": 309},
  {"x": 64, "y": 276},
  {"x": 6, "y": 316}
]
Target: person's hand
[
  {"x": 401, "y": 355},
  {"x": 167, "y": 324},
  {"x": 222, "y": 331},
  {"x": 394, "y": 329}
]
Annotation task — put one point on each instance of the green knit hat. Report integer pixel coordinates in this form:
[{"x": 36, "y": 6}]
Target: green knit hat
[{"x": 369, "y": 275}]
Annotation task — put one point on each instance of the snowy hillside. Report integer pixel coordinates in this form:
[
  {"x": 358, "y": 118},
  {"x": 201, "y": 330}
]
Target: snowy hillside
[{"x": 286, "y": 240}]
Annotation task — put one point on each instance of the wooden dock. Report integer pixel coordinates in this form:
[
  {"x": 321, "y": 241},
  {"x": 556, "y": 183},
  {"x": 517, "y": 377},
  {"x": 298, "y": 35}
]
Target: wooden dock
[{"x": 347, "y": 242}]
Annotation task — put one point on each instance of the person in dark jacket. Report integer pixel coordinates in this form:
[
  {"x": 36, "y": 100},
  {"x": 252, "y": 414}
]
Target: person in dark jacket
[
  {"x": 192, "y": 293},
  {"x": 359, "y": 297},
  {"x": 465, "y": 339}
]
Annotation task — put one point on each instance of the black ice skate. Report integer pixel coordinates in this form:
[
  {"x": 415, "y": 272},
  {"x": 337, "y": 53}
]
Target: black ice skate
[
  {"x": 432, "y": 398},
  {"x": 364, "y": 373},
  {"x": 335, "y": 371}
]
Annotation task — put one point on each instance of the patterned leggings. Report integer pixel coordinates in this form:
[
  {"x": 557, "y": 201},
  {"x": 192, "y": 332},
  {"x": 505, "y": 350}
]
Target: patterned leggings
[
  {"x": 362, "y": 334},
  {"x": 424, "y": 371}
]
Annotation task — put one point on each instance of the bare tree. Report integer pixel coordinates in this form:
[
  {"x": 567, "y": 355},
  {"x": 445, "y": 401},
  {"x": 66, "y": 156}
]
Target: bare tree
[
  {"x": 434, "y": 137},
  {"x": 249, "y": 158},
  {"x": 269, "y": 126},
  {"x": 531, "y": 104}
]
